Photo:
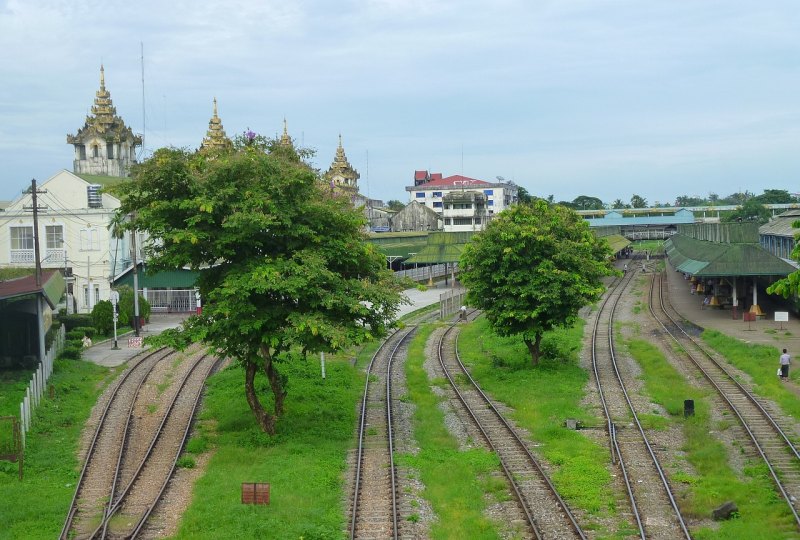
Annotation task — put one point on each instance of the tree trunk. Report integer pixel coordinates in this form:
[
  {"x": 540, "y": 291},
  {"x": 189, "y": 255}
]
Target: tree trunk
[
  {"x": 276, "y": 384},
  {"x": 533, "y": 348},
  {"x": 265, "y": 420}
]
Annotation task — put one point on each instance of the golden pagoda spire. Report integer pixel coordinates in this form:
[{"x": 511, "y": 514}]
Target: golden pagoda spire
[
  {"x": 102, "y": 78},
  {"x": 215, "y": 138},
  {"x": 341, "y": 174},
  {"x": 286, "y": 140}
]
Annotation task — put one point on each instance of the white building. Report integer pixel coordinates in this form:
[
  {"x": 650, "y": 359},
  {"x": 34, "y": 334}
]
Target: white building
[
  {"x": 74, "y": 236},
  {"x": 465, "y": 204}
]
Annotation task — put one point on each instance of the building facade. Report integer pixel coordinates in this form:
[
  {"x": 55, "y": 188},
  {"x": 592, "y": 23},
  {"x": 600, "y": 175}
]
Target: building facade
[{"x": 464, "y": 204}]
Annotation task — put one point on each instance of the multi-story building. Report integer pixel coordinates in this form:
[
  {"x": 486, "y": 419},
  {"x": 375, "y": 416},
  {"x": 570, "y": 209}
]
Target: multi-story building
[{"x": 465, "y": 204}]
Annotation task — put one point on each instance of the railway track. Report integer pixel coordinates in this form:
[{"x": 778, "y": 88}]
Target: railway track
[
  {"x": 374, "y": 507},
  {"x": 546, "y": 513},
  {"x": 652, "y": 501},
  {"x": 771, "y": 441},
  {"x": 144, "y": 453}
]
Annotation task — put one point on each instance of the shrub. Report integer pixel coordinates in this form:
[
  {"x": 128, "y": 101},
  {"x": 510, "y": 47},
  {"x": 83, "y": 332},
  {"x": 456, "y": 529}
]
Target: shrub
[
  {"x": 75, "y": 334},
  {"x": 72, "y": 351},
  {"x": 103, "y": 317},
  {"x": 74, "y": 321},
  {"x": 87, "y": 331},
  {"x": 126, "y": 306}
]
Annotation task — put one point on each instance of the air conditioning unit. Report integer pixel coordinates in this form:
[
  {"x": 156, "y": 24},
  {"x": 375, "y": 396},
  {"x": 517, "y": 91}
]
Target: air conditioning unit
[{"x": 95, "y": 199}]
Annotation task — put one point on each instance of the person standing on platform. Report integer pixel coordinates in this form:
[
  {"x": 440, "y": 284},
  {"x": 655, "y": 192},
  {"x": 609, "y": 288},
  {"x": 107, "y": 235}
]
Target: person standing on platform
[{"x": 785, "y": 361}]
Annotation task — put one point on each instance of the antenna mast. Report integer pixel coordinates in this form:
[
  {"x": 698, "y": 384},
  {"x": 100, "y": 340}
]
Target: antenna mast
[{"x": 144, "y": 116}]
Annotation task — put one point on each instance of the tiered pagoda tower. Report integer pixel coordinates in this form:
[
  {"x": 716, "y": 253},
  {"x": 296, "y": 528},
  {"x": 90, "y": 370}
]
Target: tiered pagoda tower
[
  {"x": 104, "y": 145},
  {"x": 215, "y": 138},
  {"x": 285, "y": 140},
  {"x": 341, "y": 175}
]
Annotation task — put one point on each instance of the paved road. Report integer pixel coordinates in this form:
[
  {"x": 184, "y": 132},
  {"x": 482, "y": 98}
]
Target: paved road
[{"x": 103, "y": 354}]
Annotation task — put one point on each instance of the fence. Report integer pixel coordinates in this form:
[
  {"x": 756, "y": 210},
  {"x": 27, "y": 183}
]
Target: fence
[
  {"x": 427, "y": 272},
  {"x": 171, "y": 300},
  {"x": 35, "y": 390},
  {"x": 451, "y": 301}
]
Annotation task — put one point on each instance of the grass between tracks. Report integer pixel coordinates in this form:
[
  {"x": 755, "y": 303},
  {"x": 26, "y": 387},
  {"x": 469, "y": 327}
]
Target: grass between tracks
[
  {"x": 543, "y": 397},
  {"x": 711, "y": 481},
  {"x": 304, "y": 462},
  {"x": 37, "y": 506},
  {"x": 455, "y": 481},
  {"x": 761, "y": 363}
]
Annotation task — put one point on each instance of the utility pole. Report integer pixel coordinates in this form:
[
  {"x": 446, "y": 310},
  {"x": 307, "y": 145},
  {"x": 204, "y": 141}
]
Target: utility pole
[
  {"x": 40, "y": 319},
  {"x": 135, "y": 285}
]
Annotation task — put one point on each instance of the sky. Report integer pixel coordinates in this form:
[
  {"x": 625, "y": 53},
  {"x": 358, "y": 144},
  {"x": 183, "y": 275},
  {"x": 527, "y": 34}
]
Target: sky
[{"x": 606, "y": 98}]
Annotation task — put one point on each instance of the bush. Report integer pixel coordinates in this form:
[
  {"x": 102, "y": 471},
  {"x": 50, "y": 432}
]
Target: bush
[
  {"x": 126, "y": 306},
  {"x": 74, "y": 321},
  {"x": 75, "y": 334},
  {"x": 72, "y": 351},
  {"x": 87, "y": 331},
  {"x": 103, "y": 317}
]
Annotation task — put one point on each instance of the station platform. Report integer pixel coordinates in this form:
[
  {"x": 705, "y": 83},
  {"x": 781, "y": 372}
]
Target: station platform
[{"x": 764, "y": 331}]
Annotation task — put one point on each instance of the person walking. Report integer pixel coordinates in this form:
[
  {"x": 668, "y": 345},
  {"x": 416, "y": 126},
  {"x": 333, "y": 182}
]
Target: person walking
[{"x": 785, "y": 361}]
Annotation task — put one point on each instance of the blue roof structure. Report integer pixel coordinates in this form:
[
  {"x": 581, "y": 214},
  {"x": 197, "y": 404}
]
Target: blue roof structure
[{"x": 614, "y": 218}]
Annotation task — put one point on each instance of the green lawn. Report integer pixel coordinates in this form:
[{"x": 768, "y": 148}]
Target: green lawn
[{"x": 37, "y": 506}]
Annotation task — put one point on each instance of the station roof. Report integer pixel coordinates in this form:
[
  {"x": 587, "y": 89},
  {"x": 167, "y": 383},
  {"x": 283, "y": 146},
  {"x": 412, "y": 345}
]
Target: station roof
[
  {"x": 782, "y": 225},
  {"x": 442, "y": 247},
  {"x": 617, "y": 242},
  {"x": 703, "y": 258},
  {"x": 399, "y": 244},
  {"x": 52, "y": 287},
  {"x": 623, "y": 218}
]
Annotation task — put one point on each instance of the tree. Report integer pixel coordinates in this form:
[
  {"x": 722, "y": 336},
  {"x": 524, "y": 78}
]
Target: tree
[
  {"x": 532, "y": 269},
  {"x": 395, "y": 205},
  {"x": 685, "y": 200},
  {"x": 284, "y": 268},
  {"x": 789, "y": 286},
  {"x": 618, "y": 205},
  {"x": 751, "y": 210},
  {"x": 523, "y": 195},
  {"x": 774, "y": 196},
  {"x": 638, "y": 201},
  {"x": 585, "y": 202}
]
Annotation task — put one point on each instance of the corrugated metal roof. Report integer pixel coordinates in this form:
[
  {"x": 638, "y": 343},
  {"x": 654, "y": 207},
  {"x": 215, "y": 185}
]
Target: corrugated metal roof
[
  {"x": 399, "y": 244},
  {"x": 782, "y": 225},
  {"x": 442, "y": 247},
  {"x": 617, "y": 242},
  {"x": 711, "y": 259},
  {"x": 52, "y": 287}
]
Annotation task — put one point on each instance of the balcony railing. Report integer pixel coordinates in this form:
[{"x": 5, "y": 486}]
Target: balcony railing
[
  {"x": 54, "y": 257},
  {"x": 22, "y": 256}
]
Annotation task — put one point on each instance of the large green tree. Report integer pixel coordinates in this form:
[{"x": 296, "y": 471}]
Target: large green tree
[
  {"x": 586, "y": 202},
  {"x": 284, "y": 266},
  {"x": 532, "y": 269}
]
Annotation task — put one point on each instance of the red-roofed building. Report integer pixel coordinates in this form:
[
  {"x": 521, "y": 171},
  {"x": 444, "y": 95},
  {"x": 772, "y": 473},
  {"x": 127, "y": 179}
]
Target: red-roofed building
[{"x": 464, "y": 203}]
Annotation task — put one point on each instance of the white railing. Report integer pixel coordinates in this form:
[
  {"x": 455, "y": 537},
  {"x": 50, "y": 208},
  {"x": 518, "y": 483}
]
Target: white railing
[
  {"x": 54, "y": 256},
  {"x": 22, "y": 256},
  {"x": 171, "y": 300},
  {"x": 35, "y": 390}
]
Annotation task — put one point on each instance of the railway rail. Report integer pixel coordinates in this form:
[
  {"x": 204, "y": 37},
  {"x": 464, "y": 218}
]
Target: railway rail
[
  {"x": 374, "y": 512},
  {"x": 645, "y": 480},
  {"x": 143, "y": 473},
  {"x": 770, "y": 440},
  {"x": 546, "y": 513}
]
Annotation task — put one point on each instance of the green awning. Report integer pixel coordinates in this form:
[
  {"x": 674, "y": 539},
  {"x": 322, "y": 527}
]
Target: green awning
[{"x": 715, "y": 259}]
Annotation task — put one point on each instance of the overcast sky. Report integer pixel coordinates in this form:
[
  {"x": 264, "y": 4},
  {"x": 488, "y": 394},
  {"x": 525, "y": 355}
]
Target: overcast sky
[{"x": 565, "y": 97}]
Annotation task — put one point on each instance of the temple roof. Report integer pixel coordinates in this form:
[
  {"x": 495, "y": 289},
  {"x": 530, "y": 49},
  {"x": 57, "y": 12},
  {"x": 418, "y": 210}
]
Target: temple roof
[
  {"x": 103, "y": 121},
  {"x": 215, "y": 138},
  {"x": 342, "y": 169},
  {"x": 285, "y": 139}
]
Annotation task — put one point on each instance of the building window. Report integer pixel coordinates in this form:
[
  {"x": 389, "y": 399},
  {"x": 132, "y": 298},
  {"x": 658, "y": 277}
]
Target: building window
[
  {"x": 437, "y": 193},
  {"x": 490, "y": 203},
  {"x": 437, "y": 204},
  {"x": 110, "y": 150},
  {"x": 420, "y": 195},
  {"x": 21, "y": 237},
  {"x": 488, "y": 192},
  {"x": 95, "y": 151},
  {"x": 462, "y": 221},
  {"x": 90, "y": 239},
  {"x": 81, "y": 151},
  {"x": 477, "y": 221},
  {"x": 447, "y": 221},
  {"x": 55, "y": 236}
]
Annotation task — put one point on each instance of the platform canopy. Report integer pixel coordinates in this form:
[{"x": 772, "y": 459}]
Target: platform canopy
[
  {"x": 442, "y": 247},
  {"x": 704, "y": 258}
]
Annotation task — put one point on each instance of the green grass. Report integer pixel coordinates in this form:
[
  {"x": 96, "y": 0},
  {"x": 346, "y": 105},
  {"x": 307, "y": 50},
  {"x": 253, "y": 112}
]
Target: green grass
[
  {"x": 455, "y": 481},
  {"x": 37, "y": 506},
  {"x": 543, "y": 398},
  {"x": 304, "y": 462},
  {"x": 761, "y": 363},
  {"x": 761, "y": 513}
]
